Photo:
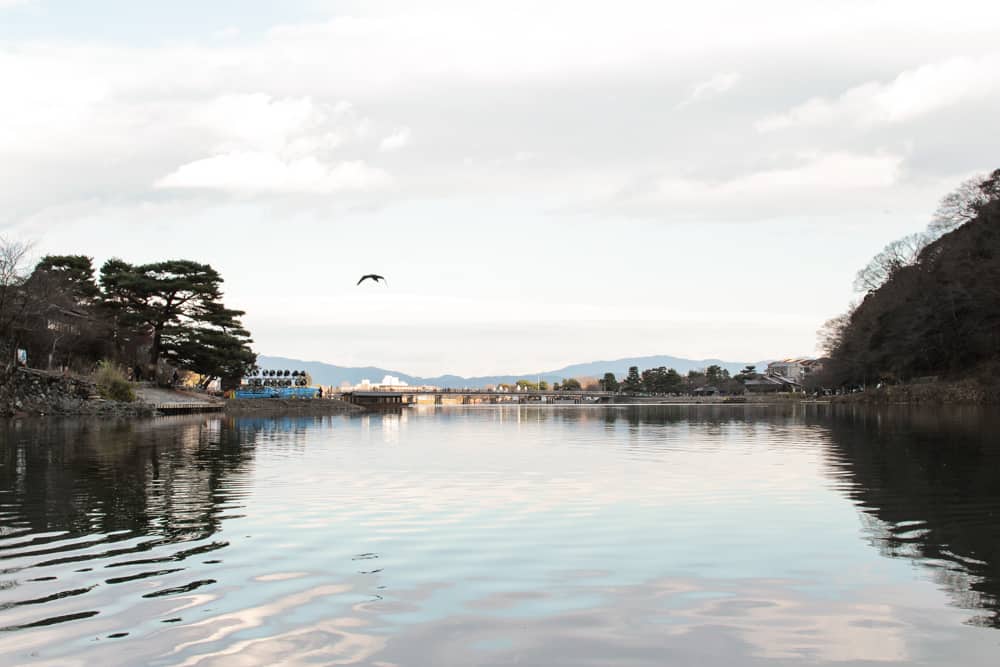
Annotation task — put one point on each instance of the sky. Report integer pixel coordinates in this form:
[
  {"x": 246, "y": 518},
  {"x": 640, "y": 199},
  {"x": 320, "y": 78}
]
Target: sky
[{"x": 542, "y": 183}]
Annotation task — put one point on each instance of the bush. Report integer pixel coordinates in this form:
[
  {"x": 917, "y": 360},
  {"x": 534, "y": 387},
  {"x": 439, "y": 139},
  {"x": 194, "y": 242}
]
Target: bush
[{"x": 112, "y": 383}]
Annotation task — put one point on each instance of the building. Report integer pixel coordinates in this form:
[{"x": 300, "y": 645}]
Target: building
[
  {"x": 811, "y": 366},
  {"x": 794, "y": 369},
  {"x": 772, "y": 384},
  {"x": 388, "y": 383},
  {"x": 786, "y": 368}
]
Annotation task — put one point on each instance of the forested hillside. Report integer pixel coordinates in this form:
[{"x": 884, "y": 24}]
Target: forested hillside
[{"x": 932, "y": 305}]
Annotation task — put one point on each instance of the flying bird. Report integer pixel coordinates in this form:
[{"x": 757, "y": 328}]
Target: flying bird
[{"x": 373, "y": 276}]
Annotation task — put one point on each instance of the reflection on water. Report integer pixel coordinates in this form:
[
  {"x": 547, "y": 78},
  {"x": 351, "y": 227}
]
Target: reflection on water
[
  {"x": 928, "y": 483},
  {"x": 573, "y": 535}
]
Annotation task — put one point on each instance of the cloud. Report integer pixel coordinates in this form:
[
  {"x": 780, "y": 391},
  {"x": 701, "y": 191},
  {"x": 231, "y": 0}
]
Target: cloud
[
  {"x": 258, "y": 120},
  {"x": 591, "y": 99},
  {"x": 836, "y": 172},
  {"x": 398, "y": 139},
  {"x": 258, "y": 172},
  {"x": 88, "y": 123},
  {"x": 807, "y": 183},
  {"x": 718, "y": 84},
  {"x": 915, "y": 92},
  {"x": 479, "y": 40}
]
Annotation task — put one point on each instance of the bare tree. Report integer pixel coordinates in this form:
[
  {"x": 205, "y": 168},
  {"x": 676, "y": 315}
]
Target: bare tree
[
  {"x": 958, "y": 207},
  {"x": 13, "y": 273},
  {"x": 898, "y": 254},
  {"x": 831, "y": 334}
]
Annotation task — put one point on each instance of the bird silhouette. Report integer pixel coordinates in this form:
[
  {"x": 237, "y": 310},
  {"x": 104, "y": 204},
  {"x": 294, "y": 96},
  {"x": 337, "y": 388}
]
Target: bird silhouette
[{"x": 375, "y": 277}]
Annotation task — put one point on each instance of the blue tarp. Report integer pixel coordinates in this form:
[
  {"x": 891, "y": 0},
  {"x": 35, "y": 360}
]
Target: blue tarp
[{"x": 277, "y": 392}]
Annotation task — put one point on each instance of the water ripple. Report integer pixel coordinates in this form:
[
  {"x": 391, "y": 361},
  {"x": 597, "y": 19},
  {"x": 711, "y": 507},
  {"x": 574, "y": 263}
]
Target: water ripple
[{"x": 739, "y": 534}]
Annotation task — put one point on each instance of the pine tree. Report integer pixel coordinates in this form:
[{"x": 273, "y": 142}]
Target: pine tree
[
  {"x": 178, "y": 303},
  {"x": 632, "y": 381}
]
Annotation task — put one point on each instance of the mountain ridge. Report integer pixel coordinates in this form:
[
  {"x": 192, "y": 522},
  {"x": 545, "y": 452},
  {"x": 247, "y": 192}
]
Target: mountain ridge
[{"x": 330, "y": 374}]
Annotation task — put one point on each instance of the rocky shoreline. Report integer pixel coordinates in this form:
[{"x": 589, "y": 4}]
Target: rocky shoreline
[{"x": 27, "y": 392}]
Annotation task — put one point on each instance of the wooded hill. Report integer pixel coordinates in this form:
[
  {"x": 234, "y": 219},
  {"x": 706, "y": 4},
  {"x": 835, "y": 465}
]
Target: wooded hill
[{"x": 932, "y": 306}]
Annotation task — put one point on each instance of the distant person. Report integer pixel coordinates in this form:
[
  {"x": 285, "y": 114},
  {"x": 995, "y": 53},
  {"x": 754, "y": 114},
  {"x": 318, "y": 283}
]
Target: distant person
[
  {"x": 321, "y": 392},
  {"x": 174, "y": 379},
  {"x": 138, "y": 373}
]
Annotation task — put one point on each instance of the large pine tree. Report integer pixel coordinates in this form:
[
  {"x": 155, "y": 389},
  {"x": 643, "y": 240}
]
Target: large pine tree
[{"x": 178, "y": 304}]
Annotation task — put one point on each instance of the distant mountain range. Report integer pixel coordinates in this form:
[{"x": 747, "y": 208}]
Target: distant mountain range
[{"x": 329, "y": 374}]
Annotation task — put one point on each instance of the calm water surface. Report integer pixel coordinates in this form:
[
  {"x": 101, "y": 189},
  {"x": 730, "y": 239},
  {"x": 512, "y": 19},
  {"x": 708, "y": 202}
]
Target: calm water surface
[{"x": 709, "y": 535}]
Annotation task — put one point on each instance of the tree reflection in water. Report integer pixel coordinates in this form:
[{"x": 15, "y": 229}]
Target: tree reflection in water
[
  {"x": 929, "y": 482},
  {"x": 926, "y": 480},
  {"x": 162, "y": 477}
]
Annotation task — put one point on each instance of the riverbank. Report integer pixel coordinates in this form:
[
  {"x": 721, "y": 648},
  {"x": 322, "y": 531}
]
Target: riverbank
[
  {"x": 710, "y": 400},
  {"x": 967, "y": 391}
]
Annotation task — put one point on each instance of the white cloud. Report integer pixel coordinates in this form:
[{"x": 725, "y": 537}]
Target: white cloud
[
  {"x": 402, "y": 43},
  {"x": 913, "y": 93},
  {"x": 833, "y": 172},
  {"x": 806, "y": 185},
  {"x": 295, "y": 126},
  {"x": 105, "y": 122},
  {"x": 258, "y": 172},
  {"x": 717, "y": 85},
  {"x": 398, "y": 139},
  {"x": 257, "y": 120}
]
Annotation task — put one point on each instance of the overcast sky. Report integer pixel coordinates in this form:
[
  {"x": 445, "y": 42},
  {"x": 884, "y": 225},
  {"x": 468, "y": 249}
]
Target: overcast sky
[{"x": 542, "y": 182}]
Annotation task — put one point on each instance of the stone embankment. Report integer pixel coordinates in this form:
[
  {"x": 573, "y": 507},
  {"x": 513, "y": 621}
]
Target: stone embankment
[
  {"x": 31, "y": 392},
  {"x": 289, "y": 406}
]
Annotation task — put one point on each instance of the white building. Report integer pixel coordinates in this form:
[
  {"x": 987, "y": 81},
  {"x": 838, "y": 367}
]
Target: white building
[
  {"x": 388, "y": 382},
  {"x": 392, "y": 381},
  {"x": 794, "y": 369}
]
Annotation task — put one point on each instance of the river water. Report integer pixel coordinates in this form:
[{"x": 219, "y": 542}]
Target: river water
[{"x": 655, "y": 535}]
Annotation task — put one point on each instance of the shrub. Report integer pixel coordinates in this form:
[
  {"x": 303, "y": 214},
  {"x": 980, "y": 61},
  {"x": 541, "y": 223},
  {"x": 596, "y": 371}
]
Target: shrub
[{"x": 112, "y": 383}]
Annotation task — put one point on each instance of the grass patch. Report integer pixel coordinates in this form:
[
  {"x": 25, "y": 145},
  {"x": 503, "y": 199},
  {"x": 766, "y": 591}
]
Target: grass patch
[{"x": 112, "y": 383}]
